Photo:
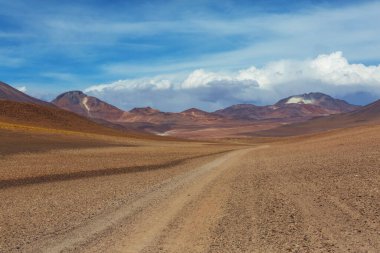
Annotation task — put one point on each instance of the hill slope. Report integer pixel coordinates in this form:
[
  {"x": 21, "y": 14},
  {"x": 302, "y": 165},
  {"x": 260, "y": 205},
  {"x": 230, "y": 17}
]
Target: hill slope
[
  {"x": 49, "y": 117},
  {"x": 367, "y": 115},
  {"x": 7, "y": 92}
]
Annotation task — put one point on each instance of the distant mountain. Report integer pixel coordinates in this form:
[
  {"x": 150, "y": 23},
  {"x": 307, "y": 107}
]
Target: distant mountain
[
  {"x": 148, "y": 114},
  {"x": 369, "y": 112},
  {"x": 245, "y": 112},
  {"x": 144, "y": 118},
  {"x": 144, "y": 110},
  {"x": 328, "y": 103},
  {"x": 9, "y": 93},
  {"x": 196, "y": 114},
  {"x": 366, "y": 115},
  {"x": 299, "y": 106},
  {"x": 88, "y": 106}
]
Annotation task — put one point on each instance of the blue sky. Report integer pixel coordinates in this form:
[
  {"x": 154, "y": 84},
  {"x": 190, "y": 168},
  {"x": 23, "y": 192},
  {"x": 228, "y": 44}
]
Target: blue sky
[{"x": 149, "y": 49}]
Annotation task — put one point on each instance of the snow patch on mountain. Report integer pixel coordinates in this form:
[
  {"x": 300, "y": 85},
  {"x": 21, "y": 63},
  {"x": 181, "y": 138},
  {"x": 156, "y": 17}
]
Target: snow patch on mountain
[
  {"x": 84, "y": 103},
  {"x": 299, "y": 100}
]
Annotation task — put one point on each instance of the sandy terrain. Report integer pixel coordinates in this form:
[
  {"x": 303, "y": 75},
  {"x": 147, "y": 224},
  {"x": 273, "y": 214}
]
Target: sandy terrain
[{"x": 318, "y": 193}]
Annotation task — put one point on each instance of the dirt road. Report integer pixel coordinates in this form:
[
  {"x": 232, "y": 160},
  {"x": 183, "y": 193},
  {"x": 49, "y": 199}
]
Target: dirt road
[{"x": 138, "y": 225}]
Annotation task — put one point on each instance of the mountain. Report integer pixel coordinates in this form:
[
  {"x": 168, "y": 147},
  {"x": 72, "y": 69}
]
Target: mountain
[
  {"x": 48, "y": 117},
  {"x": 238, "y": 119},
  {"x": 148, "y": 114},
  {"x": 366, "y": 115},
  {"x": 144, "y": 111},
  {"x": 329, "y": 104},
  {"x": 144, "y": 118},
  {"x": 245, "y": 112},
  {"x": 199, "y": 115},
  {"x": 295, "y": 107},
  {"x": 154, "y": 121},
  {"x": 88, "y": 106},
  {"x": 9, "y": 93}
]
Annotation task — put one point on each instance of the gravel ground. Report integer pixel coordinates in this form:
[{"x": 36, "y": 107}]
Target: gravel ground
[{"x": 319, "y": 193}]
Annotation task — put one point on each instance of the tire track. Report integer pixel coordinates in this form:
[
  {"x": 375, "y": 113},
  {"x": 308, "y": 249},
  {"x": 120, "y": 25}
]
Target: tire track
[{"x": 165, "y": 199}]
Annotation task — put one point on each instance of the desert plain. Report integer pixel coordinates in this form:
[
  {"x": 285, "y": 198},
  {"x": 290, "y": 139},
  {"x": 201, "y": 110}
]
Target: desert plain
[{"x": 74, "y": 192}]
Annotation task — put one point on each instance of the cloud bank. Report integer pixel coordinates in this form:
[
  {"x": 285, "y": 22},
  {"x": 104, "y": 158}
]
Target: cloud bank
[
  {"x": 61, "y": 45},
  {"x": 328, "y": 73}
]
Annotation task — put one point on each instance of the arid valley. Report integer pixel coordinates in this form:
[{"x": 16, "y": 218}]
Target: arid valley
[
  {"x": 177, "y": 126},
  {"x": 97, "y": 189}
]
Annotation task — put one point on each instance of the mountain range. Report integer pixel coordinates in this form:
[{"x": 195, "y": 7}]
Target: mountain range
[
  {"x": 298, "y": 106},
  {"x": 291, "y": 109},
  {"x": 240, "y": 119}
]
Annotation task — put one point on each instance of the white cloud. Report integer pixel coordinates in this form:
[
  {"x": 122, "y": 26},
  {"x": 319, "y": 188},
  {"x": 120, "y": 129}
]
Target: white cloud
[
  {"x": 199, "y": 78},
  {"x": 329, "y": 73},
  {"x": 332, "y": 69},
  {"x": 267, "y": 37},
  {"x": 155, "y": 83},
  {"x": 22, "y": 89}
]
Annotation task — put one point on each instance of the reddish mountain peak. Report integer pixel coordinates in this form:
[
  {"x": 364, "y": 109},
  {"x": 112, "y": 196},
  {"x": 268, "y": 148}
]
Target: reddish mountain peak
[
  {"x": 7, "y": 92},
  {"x": 243, "y": 106},
  {"x": 92, "y": 107},
  {"x": 194, "y": 111},
  {"x": 144, "y": 110},
  {"x": 72, "y": 96},
  {"x": 199, "y": 114}
]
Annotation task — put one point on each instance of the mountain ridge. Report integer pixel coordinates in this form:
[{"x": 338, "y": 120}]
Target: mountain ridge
[
  {"x": 307, "y": 105},
  {"x": 236, "y": 119},
  {"x": 7, "y": 92}
]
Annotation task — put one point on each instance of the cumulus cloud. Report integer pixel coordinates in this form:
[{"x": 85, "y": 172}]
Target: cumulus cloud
[{"x": 329, "y": 73}]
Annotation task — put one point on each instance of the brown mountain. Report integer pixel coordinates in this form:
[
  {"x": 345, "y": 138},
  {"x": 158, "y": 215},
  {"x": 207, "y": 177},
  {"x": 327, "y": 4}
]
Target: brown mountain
[
  {"x": 199, "y": 115},
  {"x": 145, "y": 118},
  {"x": 144, "y": 111},
  {"x": 329, "y": 104},
  {"x": 148, "y": 114},
  {"x": 365, "y": 115},
  {"x": 244, "y": 112},
  {"x": 9, "y": 93},
  {"x": 88, "y": 106},
  {"x": 243, "y": 118},
  {"x": 295, "y": 107},
  {"x": 155, "y": 121},
  {"x": 48, "y": 117}
]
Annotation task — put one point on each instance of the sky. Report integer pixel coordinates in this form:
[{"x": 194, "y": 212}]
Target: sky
[{"x": 174, "y": 55}]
